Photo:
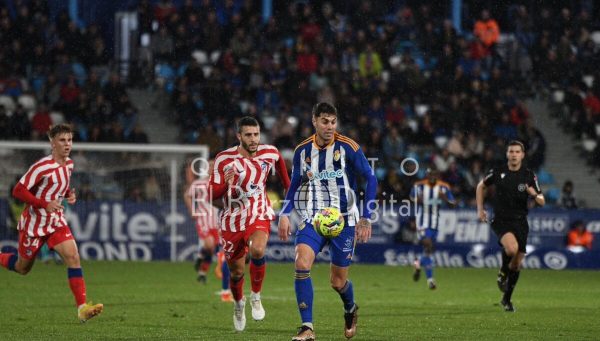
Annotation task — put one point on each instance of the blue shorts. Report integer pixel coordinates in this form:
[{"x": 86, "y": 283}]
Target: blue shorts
[
  {"x": 428, "y": 233},
  {"x": 341, "y": 247}
]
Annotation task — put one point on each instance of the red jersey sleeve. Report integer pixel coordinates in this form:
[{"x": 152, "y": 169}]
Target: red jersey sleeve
[
  {"x": 282, "y": 171},
  {"x": 21, "y": 192}
]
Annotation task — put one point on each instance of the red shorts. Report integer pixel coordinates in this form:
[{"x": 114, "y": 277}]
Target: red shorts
[
  {"x": 208, "y": 233},
  {"x": 30, "y": 246},
  {"x": 235, "y": 244}
]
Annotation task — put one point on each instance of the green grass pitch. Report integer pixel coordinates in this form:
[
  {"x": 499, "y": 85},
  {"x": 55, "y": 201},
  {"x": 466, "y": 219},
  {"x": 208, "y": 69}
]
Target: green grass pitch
[{"x": 162, "y": 301}]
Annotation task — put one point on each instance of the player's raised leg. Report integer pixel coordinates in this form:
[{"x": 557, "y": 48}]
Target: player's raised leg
[
  {"x": 8, "y": 261},
  {"x": 62, "y": 241},
  {"x": 305, "y": 256},
  {"x": 28, "y": 249},
  {"x": 257, "y": 245}
]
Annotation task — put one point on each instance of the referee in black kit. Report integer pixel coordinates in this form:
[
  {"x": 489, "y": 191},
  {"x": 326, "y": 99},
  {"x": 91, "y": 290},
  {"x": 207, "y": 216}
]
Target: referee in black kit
[{"x": 514, "y": 185}]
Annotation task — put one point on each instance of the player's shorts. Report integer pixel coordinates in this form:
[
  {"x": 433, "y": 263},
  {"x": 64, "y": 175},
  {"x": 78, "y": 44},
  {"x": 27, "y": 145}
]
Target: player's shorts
[
  {"x": 235, "y": 244},
  {"x": 518, "y": 226},
  {"x": 204, "y": 233},
  {"x": 341, "y": 248},
  {"x": 428, "y": 233},
  {"x": 30, "y": 246}
]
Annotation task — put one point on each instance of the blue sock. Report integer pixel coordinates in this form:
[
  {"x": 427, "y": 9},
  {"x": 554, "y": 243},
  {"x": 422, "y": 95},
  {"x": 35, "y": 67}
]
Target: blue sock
[
  {"x": 304, "y": 294},
  {"x": 347, "y": 296},
  {"x": 74, "y": 272},
  {"x": 427, "y": 263},
  {"x": 12, "y": 261},
  {"x": 259, "y": 261},
  {"x": 226, "y": 275}
]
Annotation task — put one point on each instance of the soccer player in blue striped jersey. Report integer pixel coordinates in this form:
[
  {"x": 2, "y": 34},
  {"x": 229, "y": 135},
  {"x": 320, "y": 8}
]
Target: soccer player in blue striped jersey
[
  {"x": 429, "y": 195},
  {"x": 324, "y": 173}
]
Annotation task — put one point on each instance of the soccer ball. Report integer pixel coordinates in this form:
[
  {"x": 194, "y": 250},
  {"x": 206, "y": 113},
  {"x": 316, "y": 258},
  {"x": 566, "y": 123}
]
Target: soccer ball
[{"x": 328, "y": 222}]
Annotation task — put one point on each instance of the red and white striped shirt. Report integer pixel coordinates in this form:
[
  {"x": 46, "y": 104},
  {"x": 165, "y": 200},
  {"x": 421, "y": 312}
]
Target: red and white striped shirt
[
  {"x": 202, "y": 209},
  {"x": 46, "y": 180},
  {"x": 246, "y": 200}
]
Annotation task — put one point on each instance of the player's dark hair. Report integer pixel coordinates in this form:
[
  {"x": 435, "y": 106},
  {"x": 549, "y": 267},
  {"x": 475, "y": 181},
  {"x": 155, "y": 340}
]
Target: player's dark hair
[
  {"x": 516, "y": 143},
  {"x": 59, "y": 129},
  {"x": 246, "y": 121},
  {"x": 323, "y": 108}
]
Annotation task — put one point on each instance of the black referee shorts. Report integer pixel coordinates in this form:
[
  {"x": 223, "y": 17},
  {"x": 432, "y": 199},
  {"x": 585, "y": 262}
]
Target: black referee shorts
[{"x": 519, "y": 227}]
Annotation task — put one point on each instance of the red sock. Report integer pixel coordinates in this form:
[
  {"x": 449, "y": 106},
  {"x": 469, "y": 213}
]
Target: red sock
[
  {"x": 237, "y": 288},
  {"x": 205, "y": 266},
  {"x": 7, "y": 261},
  {"x": 257, "y": 274},
  {"x": 77, "y": 285}
]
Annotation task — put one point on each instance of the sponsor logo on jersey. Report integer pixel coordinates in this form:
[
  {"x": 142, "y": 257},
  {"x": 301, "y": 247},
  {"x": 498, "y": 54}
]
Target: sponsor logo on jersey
[{"x": 325, "y": 175}]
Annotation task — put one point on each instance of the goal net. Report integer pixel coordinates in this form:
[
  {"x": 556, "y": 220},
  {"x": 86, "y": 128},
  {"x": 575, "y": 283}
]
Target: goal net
[{"x": 129, "y": 198}]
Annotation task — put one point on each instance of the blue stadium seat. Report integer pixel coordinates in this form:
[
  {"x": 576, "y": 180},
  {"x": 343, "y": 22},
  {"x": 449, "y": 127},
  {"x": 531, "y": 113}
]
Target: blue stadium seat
[
  {"x": 552, "y": 195},
  {"x": 545, "y": 178}
]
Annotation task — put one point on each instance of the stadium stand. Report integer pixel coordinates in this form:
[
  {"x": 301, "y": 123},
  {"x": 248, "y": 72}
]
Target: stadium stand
[{"x": 406, "y": 82}]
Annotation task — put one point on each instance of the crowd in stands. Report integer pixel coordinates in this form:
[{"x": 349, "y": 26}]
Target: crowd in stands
[
  {"x": 405, "y": 82},
  {"x": 54, "y": 71}
]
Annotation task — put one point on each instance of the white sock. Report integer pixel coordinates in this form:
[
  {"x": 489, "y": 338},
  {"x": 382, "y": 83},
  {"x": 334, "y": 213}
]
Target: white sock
[
  {"x": 254, "y": 295},
  {"x": 309, "y": 325}
]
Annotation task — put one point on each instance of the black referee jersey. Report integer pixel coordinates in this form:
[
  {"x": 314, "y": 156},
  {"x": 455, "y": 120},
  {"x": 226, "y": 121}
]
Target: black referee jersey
[{"x": 510, "y": 200}]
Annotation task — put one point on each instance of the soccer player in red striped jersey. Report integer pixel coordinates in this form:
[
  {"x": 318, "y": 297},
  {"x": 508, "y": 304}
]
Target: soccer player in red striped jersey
[
  {"x": 205, "y": 215},
  {"x": 43, "y": 189},
  {"x": 240, "y": 177}
]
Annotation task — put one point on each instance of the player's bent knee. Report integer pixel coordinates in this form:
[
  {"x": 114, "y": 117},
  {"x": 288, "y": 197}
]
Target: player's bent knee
[
  {"x": 257, "y": 252},
  {"x": 337, "y": 283},
  {"x": 511, "y": 250},
  {"x": 303, "y": 264},
  {"x": 72, "y": 260}
]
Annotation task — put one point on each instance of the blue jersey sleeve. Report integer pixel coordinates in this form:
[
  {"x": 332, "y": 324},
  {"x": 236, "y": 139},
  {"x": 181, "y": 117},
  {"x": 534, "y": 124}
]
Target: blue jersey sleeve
[
  {"x": 288, "y": 203},
  {"x": 362, "y": 166},
  {"x": 449, "y": 194}
]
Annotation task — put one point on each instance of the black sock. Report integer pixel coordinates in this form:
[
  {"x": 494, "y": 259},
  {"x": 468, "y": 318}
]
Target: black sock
[
  {"x": 505, "y": 261},
  {"x": 513, "y": 278}
]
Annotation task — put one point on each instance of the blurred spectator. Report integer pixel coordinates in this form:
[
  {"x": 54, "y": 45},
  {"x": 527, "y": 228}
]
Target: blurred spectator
[
  {"x": 579, "y": 238},
  {"x": 567, "y": 197},
  {"x": 486, "y": 30},
  {"x": 41, "y": 122}
]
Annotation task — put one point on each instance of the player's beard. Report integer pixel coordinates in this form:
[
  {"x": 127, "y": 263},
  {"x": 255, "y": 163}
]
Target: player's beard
[{"x": 251, "y": 149}]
